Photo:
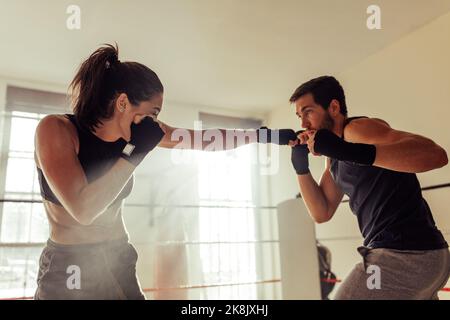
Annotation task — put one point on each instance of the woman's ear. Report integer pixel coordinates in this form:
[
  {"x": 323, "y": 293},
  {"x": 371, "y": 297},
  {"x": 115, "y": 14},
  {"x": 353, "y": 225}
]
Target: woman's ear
[{"x": 122, "y": 102}]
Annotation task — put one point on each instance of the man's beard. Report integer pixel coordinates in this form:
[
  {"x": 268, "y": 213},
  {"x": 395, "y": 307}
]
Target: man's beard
[{"x": 327, "y": 123}]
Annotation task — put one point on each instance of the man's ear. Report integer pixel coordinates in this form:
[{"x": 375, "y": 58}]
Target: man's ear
[{"x": 335, "y": 107}]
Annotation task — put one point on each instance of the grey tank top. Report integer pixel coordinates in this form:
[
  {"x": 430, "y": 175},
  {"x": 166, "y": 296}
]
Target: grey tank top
[{"x": 389, "y": 206}]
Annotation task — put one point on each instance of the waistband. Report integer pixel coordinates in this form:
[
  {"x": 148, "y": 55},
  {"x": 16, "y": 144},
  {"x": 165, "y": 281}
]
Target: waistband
[{"x": 108, "y": 244}]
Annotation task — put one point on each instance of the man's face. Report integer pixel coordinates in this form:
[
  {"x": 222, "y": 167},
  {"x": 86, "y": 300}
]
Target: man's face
[{"x": 312, "y": 115}]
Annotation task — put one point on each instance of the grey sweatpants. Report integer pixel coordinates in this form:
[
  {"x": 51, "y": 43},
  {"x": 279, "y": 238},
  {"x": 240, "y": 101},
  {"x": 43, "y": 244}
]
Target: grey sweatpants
[
  {"x": 386, "y": 274},
  {"x": 97, "y": 271}
]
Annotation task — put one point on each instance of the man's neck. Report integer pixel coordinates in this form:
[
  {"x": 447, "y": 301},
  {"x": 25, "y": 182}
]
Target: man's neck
[{"x": 339, "y": 127}]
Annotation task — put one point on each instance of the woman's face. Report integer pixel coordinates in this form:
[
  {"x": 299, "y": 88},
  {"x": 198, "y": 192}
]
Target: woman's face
[
  {"x": 130, "y": 113},
  {"x": 126, "y": 114},
  {"x": 150, "y": 108}
]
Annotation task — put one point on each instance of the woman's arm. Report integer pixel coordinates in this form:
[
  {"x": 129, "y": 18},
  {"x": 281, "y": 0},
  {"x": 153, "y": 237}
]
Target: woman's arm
[
  {"x": 207, "y": 140},
  {"x": 221, "y": 139},
  {"x": 57, "y": 158}
]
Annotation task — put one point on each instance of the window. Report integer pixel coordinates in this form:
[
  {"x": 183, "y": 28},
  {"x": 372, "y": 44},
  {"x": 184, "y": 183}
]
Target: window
[
  {"x": 22, "y": 222},
  {"x": 23, "y": 225},
  {"x": 226, "y": 180}
]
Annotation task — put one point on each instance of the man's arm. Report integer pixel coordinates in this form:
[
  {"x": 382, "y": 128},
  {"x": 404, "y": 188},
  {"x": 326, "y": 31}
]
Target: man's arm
[
  {"x": 396, "y": 150},
  {"x": 321, "y": 199}
]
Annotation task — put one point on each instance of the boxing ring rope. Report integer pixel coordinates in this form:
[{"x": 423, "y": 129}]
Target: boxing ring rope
[
  {"x": 201, "y": 286},
  {"x": 193, "y": 206},
  {"x": 170, "y": 243},
  {"x": 211, "y": 285},
  {"x": 172, "y": 206}
]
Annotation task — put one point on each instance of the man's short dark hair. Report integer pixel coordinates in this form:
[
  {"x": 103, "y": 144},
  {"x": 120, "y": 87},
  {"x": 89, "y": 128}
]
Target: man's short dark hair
[{"x": 323, "y": 89}]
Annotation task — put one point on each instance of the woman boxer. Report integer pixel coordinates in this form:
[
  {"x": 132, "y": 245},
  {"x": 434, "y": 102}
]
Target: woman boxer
[{"x": 85, "y": 165}]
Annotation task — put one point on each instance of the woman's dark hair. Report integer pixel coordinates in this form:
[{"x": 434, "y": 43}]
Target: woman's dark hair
[
  {"x": 323, "y": 89},
  {"x": 102, "y": 78}
]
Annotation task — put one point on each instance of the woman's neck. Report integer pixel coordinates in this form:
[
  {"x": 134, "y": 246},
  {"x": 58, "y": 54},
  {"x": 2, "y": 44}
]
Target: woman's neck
[{"x": 110, "y": 130}]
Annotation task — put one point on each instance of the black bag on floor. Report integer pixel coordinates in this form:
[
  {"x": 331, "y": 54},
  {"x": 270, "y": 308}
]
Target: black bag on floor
[{"x": 327, "y": 278}]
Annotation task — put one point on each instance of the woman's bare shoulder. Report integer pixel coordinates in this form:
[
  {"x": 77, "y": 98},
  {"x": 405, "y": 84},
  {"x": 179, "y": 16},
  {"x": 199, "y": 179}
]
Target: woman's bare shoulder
[{"x": 58, "y": 129}]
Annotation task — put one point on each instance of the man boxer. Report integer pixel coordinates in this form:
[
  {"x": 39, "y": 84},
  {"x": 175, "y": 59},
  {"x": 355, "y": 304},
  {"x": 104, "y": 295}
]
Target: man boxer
[{"x": 375, "y": 166}]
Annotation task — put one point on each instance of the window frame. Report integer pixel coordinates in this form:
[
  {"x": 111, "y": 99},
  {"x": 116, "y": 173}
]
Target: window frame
[{"x": 17, "y": 106}]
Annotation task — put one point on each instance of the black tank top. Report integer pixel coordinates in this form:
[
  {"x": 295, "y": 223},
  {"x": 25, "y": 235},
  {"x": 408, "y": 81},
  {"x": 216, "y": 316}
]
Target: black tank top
[
  {"x": 389, "y": 206},
  {"x": 96, "y": 157}
]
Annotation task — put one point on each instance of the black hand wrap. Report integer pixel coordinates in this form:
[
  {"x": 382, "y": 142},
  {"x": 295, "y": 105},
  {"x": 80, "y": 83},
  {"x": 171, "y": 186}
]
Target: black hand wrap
[
  {"x": 280, "y": 137},
  {"x": 328, "y": 144},
  {"x": 145, "y": 136},
  {"x": 299, "y": 159}
]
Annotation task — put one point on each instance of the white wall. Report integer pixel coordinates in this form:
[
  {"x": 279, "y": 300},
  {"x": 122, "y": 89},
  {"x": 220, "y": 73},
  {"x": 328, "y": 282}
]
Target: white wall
[{"x": 407, "y": 84}]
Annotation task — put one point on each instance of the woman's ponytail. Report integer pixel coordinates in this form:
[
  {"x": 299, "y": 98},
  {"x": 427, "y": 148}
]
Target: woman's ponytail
[{"x": 102, "y": 78}]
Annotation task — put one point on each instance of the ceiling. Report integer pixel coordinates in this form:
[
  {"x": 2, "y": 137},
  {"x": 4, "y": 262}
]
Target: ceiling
[{"x": 236, "y": 54}]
